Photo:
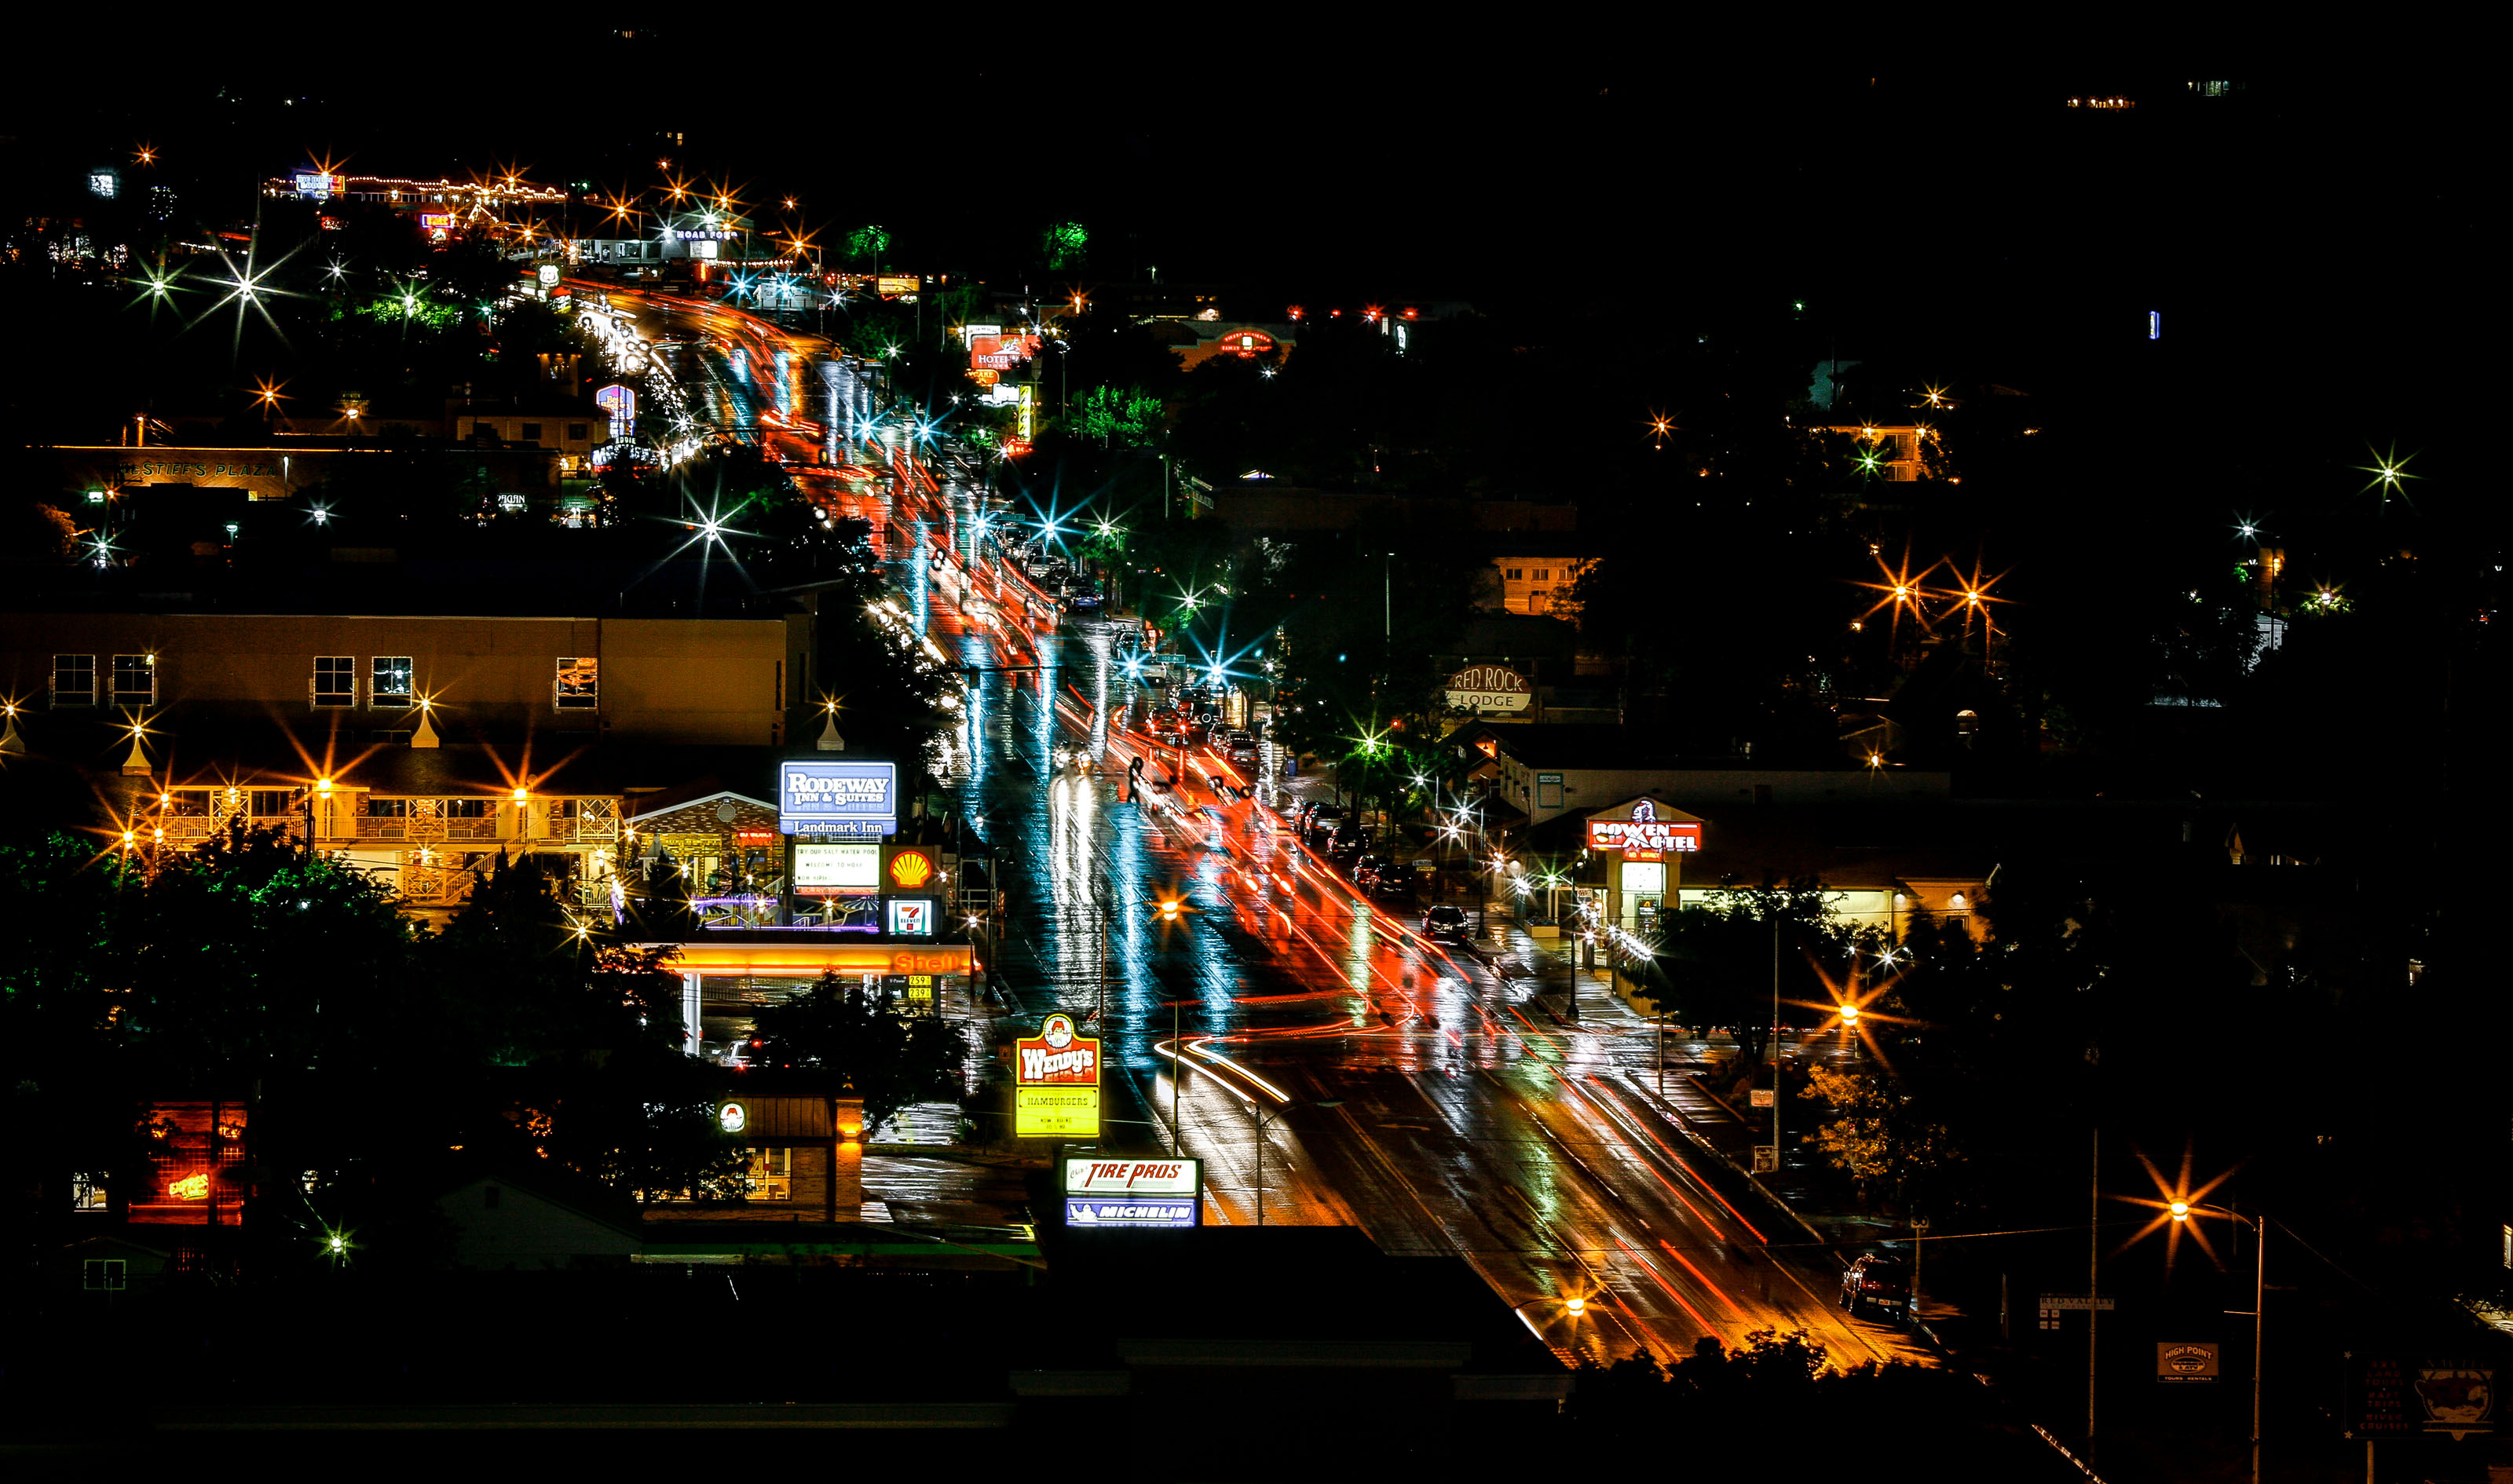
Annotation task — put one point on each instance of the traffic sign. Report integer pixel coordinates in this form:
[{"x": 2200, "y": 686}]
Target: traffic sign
[{"x": 1766, "y": 1159}]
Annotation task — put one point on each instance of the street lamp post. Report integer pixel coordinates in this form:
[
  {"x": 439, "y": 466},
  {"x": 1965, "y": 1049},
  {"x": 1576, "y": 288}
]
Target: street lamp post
[
  {"x": 1260, "y": 1117},
  {"x": 2181, "y": 1212}
]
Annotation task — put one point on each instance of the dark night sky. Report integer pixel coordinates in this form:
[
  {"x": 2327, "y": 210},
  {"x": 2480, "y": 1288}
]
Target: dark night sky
[{"x": 2312, "y": 241}]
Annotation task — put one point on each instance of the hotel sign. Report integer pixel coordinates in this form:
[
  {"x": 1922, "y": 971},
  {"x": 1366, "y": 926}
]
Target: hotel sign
[
  {"x": 1490, "y": 688},
  {"x": 1645, "y": 834},
  {"x": 846, "y": 800}
]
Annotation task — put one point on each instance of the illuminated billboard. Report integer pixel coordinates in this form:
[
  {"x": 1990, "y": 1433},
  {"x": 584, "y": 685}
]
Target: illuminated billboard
[
  {"x": 831, "y": 870},
  {"x": 1490, "y": 688},
  {"x": 853, "y": 800},
  {"x": 910, "y": 867},
  {"x": 1172, "y": 1212},
  {"x": 1155, "y": 1192},
  {"x": 1057, "y": 1070},
  {"x": 315, "y": 186},
  {"x": 910, "y": 916},
  {"x": 1133, "y": 1176},
  {"x": 1643, "y": 830},
  {"x": 1055, "y": 1112}
]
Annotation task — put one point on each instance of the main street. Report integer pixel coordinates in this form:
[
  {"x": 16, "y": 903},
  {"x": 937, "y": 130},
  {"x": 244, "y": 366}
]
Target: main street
[{"x": 1340, "y": 1068}]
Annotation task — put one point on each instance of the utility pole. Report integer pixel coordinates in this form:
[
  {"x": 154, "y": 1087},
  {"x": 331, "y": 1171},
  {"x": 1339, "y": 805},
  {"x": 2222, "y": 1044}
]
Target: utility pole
[
  {"x": 1775, "y": 1040},
  {"x": 2094, "y": 1255}
]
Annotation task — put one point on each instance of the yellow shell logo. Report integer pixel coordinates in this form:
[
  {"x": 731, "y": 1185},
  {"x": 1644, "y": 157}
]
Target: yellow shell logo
[{"x": 909, "y": 870}]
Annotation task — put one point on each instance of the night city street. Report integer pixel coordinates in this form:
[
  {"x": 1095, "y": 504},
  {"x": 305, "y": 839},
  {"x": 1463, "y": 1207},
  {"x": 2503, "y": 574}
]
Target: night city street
[{"x": 1173, "y": 767}]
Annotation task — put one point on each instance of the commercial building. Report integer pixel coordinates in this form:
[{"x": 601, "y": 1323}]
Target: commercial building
[
  {"x": 414, "y": 743},
  {"x": 1535, "y": 577},
  {"x": 1540, "y": 773},
  {"x": 374, "y": 676}
]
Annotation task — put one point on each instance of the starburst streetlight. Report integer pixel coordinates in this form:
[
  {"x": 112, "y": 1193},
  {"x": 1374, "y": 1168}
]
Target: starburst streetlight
[{"x": 2390, "y": 474}]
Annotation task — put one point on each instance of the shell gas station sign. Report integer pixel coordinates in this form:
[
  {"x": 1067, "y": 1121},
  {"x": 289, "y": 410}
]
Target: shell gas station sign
[{"x": 1056, "y": 1076}]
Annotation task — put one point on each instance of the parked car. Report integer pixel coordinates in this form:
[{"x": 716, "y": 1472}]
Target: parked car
[
  {"x": 1366, "y": 870},
  {"x": 1876, "y": 1278},
  {"x": 1312, "y": 812},
  {"x": 1446, "y": 920},
  {"x": 1243, "y": 747},
  {"x": 1347, "y": 844}
]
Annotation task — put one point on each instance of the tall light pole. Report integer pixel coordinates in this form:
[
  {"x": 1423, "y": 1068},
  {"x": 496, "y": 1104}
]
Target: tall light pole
[
  {"x": 2181, "y": 1212},
  {"x": 1776, "y": 1039}
]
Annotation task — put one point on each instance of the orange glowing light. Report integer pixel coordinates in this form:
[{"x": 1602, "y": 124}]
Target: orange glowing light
[{"x": 191, "y": 1187}]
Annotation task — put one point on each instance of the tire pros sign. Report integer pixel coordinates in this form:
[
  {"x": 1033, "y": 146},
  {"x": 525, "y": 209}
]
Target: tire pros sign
[
  {"x": 1166, "y": 1194},
  {"x": 1056, "y": 1076}
]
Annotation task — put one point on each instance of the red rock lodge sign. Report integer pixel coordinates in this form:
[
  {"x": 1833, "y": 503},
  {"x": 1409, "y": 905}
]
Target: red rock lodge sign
[{"x": 1490, "y": 688}]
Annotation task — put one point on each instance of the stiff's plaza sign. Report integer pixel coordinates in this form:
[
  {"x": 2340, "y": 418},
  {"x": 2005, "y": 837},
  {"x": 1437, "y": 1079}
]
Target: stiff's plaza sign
[
  {"x": 1490, "y": 688},
  {"x": 1057, "y": 1072}
]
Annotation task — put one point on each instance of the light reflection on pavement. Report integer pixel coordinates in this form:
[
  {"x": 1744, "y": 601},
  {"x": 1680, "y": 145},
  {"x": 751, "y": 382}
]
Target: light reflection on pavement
[{"x": 1382, "y": 1078}]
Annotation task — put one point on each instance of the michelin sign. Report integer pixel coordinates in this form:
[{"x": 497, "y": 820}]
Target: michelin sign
[{"x": 837, "y": 800}]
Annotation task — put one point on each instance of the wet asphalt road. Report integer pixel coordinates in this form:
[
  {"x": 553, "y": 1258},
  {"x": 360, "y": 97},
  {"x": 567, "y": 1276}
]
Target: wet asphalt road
[{"x": 1378, "y": 1077}]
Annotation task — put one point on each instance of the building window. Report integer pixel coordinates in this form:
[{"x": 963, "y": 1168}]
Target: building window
[
  {"x": 74, "y": 680},
  {"x": 135, "y": 680},
  {"x": 336, "y": 680},
  {"x": 771, "y": 1175},
  {"x": 391, "y": 682},
  {"x": 578, "y": 688},
  {"x": 576, "y": 432},
  {"x": 466, "y": 808},
  {"x": 532, "y": 433},
  {"x": 189, "y": 803},
  {"x": 273, "y": 803},
  {"x": 1516, "y": 574},
  {"x": 387, "y": 809},
  {"x": 1545, "y": 573}
]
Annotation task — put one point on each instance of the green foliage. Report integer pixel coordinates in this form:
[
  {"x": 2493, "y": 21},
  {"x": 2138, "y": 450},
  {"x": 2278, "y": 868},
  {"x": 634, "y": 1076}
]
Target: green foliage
[
  {"x": 1909, "y": 1421},
  {"x": 1719, "y": 963},
  {"x": 890, "y": 1060},
  {"x": 1879, "y": 1132},
  {"x": 866, "y": 244},
  {"x": 1123, "y": 417},
  {"x": 1063, "y": 245},
  {"x": 525, "y": 1031},
  {"x": 410, "y": 308}
]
